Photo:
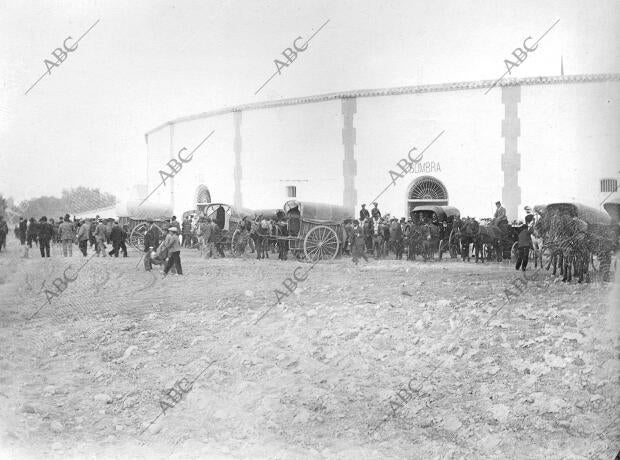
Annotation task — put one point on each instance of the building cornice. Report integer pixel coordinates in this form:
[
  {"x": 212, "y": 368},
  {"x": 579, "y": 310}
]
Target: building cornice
[{"x": 396, "y": 91}]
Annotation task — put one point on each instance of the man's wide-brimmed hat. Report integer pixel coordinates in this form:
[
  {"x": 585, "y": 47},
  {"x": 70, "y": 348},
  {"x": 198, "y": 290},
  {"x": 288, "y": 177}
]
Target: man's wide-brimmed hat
[{"x": 173, "y": 229}]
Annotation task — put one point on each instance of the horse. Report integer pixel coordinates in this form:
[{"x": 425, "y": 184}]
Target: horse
[
  {"x": 489, "y": 236},
  {"x": 415, "y": 238},
  {"x": 262, "y": 231},
  {"x": 570, "y": 244},
  {"x": 430, "y": 240},
  {"x": 465, "y": 236}
]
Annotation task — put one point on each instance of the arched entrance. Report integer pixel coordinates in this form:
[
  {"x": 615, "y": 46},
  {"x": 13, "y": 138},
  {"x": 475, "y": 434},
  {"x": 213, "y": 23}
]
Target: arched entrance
[
  {"x": 426, "y": 190},
  {"x": 203, "y": 197}
]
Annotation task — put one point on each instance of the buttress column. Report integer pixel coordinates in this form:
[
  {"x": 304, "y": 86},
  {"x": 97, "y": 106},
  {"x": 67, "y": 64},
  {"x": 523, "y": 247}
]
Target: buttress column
[
  {"x": 349, "y": 164},
  {"x": 511, "y": 159},
  {"x": 238, "y": 173}
]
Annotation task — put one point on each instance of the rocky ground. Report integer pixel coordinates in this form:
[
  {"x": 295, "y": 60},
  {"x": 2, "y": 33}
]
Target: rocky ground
[{"x": 318, "y": 376}]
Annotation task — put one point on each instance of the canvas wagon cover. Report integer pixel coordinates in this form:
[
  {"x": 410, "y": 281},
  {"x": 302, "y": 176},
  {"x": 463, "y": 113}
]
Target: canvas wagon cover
[
  {"x": 238, "y": 213},
  {"x": 268, "y": 213},
  {"x": 133, "y": 210},
  {"x": 319, "y": 212},
  {"x": 443, "y": 212},
  {"x": 587, "y": 213},
  {"x": 613, "y": 209}
]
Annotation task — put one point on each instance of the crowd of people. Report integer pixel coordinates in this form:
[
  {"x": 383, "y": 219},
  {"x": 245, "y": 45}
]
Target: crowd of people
[
  {"x": 372, "y": 234},
  {"x": 94, "y": 233}
]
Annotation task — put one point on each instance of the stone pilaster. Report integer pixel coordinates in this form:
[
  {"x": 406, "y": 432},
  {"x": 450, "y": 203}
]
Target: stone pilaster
[
  {"x": 172, "y": 157},
  {"x": 238, "y": 172},
  {"x": 349, "y": 164},
  {"x": 511, "y": 159}
]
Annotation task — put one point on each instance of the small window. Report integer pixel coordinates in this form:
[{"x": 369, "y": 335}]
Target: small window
[
  {"x": 291, "y": 191},
  {"x": 609, "y": 185}
]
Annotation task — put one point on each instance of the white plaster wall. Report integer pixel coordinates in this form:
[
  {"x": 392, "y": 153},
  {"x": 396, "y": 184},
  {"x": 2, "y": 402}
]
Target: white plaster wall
[{"x": 569, "y": 141}]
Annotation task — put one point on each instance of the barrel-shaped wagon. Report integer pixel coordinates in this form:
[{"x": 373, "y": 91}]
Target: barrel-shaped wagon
[
  {"x": 136, "y": 217},
  {"x": 227, "y": 217},
  {"x": 438, "y": 215},
  {"x": 597, "y": 236},
  {"x": 315, "y": 230}
]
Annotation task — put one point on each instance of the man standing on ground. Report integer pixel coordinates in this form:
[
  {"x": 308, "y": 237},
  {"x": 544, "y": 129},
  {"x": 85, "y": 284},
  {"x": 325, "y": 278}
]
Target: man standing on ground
[
  {"x": 45, "y": 232},
  {"x": 23, "y": 228},
  {"x": 151, "y": 243},
  {"x": 116, "y": 235},
  {"x": 124, "y": 234},
  {"x": 100, "y": 238},
  {"x": 172, "y": 245},
  {"x": 186, "y": 230},
  {"x": 525, "y": 243},
  {"x": 358, "y": 245},
  {"x": 67, "y": 236},
  {"x": 32, "y": 232},
  {"x": 83, "y": 236}
]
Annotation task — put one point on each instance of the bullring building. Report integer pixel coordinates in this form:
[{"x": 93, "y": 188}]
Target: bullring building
[{"x": 524, "y": 142}]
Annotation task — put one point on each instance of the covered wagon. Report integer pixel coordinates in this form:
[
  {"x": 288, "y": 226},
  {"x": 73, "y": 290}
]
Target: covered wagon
[
  {"x": 136, "y": 216},
  {"x": 315, "y": 230},
  {"x": 438, "y": 215},
  {"x": 582, "y": 232}
]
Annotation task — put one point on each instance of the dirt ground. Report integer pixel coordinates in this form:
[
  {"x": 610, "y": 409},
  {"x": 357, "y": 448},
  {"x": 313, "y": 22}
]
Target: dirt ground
[{"x": 317, "y": 377}]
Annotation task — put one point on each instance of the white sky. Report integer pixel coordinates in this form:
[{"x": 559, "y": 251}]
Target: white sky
[{"x": 147, "y": 62}]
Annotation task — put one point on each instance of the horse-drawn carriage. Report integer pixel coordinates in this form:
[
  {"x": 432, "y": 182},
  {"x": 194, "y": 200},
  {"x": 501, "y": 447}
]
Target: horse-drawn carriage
[
  {"x": 136, "y": 217},
  {"x": 444, "y": 218},
  {"x": 245, "y": 236},
  {"x": 315, "y": 230},
  {"x": 227, "y": 218},
  {"x": 579, "y": 237}
]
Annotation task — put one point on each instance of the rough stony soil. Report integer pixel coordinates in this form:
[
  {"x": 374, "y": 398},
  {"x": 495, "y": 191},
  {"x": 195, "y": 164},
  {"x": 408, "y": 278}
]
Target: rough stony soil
[{"x": 317, "y": 376}]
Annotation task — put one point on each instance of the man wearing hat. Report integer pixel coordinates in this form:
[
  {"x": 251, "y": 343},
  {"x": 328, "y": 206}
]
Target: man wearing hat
[
  {"x": 500, "y": 212},
  {"x": 45, "y": 235},
  {"x": 67, "y": 235},
  {"x": 100, "y": 238},
  {"x": 173, "y": 246},
  {"x": 151, "y": 242},
  {"x": 375, "y": 210},
  {"x": 358, "y": 245},
  {"x": 364, "y": 214},
  {"x": 116, "y": 236},
  {"x": 83, "y": 236}
]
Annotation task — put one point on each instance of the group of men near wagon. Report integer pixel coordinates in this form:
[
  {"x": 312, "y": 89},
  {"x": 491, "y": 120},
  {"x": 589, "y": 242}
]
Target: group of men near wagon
[
  {"x": 372, "y": 234},
  {"x": 378, "y": 235}
]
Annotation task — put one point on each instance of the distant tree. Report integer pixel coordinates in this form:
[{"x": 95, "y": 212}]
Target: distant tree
[
  {"x": 82, "y": 199},
  {"x": 72, "y": 201}
]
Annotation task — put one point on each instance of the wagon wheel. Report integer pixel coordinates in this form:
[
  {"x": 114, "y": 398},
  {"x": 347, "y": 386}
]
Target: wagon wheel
[
  {"x": 514, "y": 252},
  {"x": 321, "y": 242},
  {"x": 453, "y": 244},
  {"x": 136, "y": 237},
  {"x": 240, "y": 243}
]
